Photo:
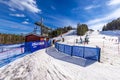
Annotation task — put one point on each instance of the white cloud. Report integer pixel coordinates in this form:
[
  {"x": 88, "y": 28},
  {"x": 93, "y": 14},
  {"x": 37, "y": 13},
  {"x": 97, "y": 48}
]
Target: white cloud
[
  {"x": 27, "y": 19},
  {"x": 17, "y": 15},
  {"x": 12, "y": 9},
  {"x": 98, "y": 23},
  {"x": 52, "y": 7},
  {"x": 29, "y": 5},
  {"x": 62, "y": 21},
  {"x": 25, "y": 22},
  {"x": 91, "y": 7},
  {"x": 113, "y": 2},
  {"x": 12, "y": 24}
]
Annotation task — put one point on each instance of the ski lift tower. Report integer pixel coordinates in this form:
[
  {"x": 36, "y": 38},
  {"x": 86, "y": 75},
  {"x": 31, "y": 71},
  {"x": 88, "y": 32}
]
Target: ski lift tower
[{"x": 43, "y": 29}]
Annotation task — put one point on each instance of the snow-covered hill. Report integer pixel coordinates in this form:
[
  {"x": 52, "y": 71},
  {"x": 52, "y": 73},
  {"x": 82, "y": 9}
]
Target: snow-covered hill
[
  {"x": 42, "y": 66},
  {"x": 49, "y": 64},
  {"x": 111, "y": 33}
]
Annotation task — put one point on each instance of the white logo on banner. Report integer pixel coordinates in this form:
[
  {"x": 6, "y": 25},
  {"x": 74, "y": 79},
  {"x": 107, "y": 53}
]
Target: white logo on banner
[{"x": 35, "y": 44}]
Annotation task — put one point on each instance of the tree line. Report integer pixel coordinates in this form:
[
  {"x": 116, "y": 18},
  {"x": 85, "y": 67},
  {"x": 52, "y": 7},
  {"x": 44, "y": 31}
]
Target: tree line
[
  {"x": 81, "y": 29},
  {"x": 59, "y": 31},
  {"x": 114, "y": 25},
  {"x": 15, "y": 38},
  {"x": 11, "y": 38}
]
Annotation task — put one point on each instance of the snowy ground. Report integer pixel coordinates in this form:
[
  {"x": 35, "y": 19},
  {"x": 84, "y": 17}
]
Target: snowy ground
[
  {"x": 50, "y": 64},
  {"x": 110, "y": 50}
]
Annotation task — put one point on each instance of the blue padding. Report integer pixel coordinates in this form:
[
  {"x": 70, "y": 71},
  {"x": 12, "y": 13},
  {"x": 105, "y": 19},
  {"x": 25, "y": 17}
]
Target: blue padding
[
  {"x": 36, "y": 45},
  {"x": 61, "y": 47},
  {"x": 98, "y": 51},
  {"x": 56, "y": 46},
  {"x": 91, "y": 53},
  {"x": 77, "y": 51},
  {"x": 27, "y": 46},
  {"x": 68, "y": 49},
  {"x": 49, "y": 43},
  {"x": 80, "y": 51}
]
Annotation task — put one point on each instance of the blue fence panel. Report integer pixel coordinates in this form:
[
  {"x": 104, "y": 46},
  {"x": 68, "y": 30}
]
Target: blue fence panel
[
  {"x": 57, "y": 46},
  {"x": 98, "y": 51},
  {"x": 68, "y": 49},
  {"x": 61, "y": 47},
  {"x": 91, "y": 53},
  {"x": 27, "y": 47},
  {"x": 49, "y": 43},
  {"x": 78, "y": 51}
]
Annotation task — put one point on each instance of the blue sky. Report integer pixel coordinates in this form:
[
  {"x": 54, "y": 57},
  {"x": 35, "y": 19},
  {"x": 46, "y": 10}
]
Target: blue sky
[{"x": 18, "y": 16}]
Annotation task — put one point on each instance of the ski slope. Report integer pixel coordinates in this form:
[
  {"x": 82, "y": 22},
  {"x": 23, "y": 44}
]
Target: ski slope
[{"x": 49, "y": 64}]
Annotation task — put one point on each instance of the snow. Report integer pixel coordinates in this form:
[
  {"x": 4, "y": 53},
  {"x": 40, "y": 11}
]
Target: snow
[
  {"x": 71, "y": 32},
  {"x": 111, "y": 33},
  {"x": 49, "y": 64}
]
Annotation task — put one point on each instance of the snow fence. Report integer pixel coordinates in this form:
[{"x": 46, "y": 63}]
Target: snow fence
[
  {"x": 9, "y": 54},
  {"x": 80, "y": 51}
]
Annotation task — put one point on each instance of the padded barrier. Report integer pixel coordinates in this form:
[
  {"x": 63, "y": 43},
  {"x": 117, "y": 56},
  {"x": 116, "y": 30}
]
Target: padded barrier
[
  {"x": 68, "y": 49},
  {"x": 36, "y": 45},
  {"x": 91, "y": 53},
  {"x": 61, "y": 47},
  {"x": 56, "y": 46},
  {"x": 80, "y": 51}
]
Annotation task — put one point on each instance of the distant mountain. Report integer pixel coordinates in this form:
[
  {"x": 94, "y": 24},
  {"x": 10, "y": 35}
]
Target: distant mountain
[{"x": 114, "y": 25}]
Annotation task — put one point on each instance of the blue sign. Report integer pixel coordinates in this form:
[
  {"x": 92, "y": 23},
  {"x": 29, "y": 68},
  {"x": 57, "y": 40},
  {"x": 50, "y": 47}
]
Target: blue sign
[{"x": 33, "y": 46}]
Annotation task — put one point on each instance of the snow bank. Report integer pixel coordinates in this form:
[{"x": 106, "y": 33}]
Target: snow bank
[
  {"x": 54, "y": 65},
  {"x": 111, "y": 33},
  {"x": 36, "y": 66}
]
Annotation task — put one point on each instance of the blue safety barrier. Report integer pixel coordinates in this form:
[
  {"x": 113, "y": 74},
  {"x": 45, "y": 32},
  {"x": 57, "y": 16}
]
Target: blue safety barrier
[
  {"x": 36, "y": 45},
  {"x": 61, "y": 47},
  {"x": 92, "y": 53},
  {"x": 80, "y": 51},
  {"x": 56, "y": 46},
  {"x": 68, "y": 49},
  {"x": 16, "y": 52}
]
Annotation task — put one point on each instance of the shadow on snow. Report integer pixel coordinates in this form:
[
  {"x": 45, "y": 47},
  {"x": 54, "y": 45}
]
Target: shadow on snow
[{"x": 71, "y": 59}]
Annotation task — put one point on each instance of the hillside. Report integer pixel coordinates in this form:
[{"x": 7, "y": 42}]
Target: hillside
[
  {"x": 49, "y": 64},
  {"x": 114, "y": 25}
]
